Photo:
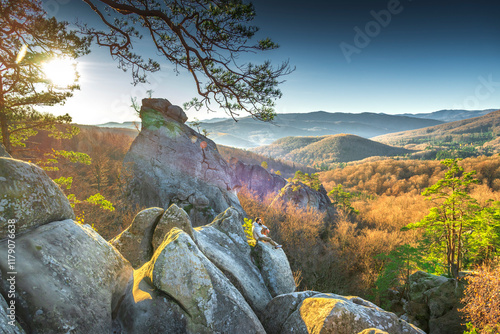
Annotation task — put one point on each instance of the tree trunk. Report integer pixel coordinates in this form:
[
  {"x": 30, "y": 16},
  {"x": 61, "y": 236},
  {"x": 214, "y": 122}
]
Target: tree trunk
[{"x": 4, "y": 125}]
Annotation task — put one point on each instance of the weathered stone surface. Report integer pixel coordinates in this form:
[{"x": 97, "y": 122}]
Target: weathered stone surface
[
  {"x": 29, "y": 196},
  {"x": 310, "y": 312},
  {"x": 135, "y": 242},
  {"x": 173, "y": 217},
  {"x": 69, "y": 279},
  {"x": 230, "y": 252},
  {"x": 433, "y": 303},
  {"x": 280, "y": 309},
  {"x": 145, "y": 309},
  {"x": 8, "y": 322},
  {"x": 176, "y": 113},
  {"x": 372, "y": 331},
  {"x": 200, "y": 288},
  {"x": 275, "y": 269},
  {"x": 170, "y": 164},
  {"x": 230, "y": 222},
  {"x": 303, "y": 196},
  {"x": 160, "y": 105},
  {"x": 258, "y": 179}
]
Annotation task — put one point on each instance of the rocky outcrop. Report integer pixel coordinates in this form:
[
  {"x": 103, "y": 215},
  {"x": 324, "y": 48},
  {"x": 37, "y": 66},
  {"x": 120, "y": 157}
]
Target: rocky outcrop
[
  {"x": 433, "y": 303},
  {"x": 29, "y": 196},
  {"x": 173, "y": 217},
  {"x": 170, "y": 163},
  {"x": 314, "y": 312},
  {"x": 135, "y": 242},
  {"x": 68, "y": 278},
  {"x": 200, "y": 288},
  {"x": 258, "y": 180},
  {"x": 224, "y": 243},
  {"x": 303, "y": 196},
  {"x": 274, "y": 268}
]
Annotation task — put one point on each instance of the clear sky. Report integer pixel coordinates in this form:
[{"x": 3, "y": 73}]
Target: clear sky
[{"x": 408, "y": 56}]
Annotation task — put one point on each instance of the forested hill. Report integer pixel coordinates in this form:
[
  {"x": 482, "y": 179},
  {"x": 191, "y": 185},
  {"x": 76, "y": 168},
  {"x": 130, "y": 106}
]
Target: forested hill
[
  {"x": 248, "y": 132},
  {"x": 321, "y": 152},
  {"x": 481, "y": 129}
]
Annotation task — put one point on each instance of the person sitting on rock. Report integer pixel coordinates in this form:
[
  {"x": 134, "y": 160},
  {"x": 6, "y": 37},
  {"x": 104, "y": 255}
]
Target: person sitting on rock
[{"x": 260, "y": 232}]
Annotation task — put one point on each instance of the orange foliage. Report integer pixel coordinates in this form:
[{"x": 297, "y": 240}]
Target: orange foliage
[{"x": 482, "y": 300}]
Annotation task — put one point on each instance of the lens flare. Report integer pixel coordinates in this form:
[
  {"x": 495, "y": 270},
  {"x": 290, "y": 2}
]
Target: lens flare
[{"x": 60, "y": 71}]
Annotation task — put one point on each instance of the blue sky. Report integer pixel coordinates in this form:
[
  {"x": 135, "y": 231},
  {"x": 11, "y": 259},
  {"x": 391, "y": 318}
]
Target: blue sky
[{"x": 350, "y": 56}]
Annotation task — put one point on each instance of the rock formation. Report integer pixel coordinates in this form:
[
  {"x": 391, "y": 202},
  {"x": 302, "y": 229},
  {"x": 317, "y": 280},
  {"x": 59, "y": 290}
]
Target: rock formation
[
  {"x": 433, "y": 303},
  {"x": 263, "y": 184},
  {"x": 315, "y": 312},
  {"x": 258, "y": 180},
  {"x": 29, "y": 196},
  {"x": 68, "y": 279},
  {"x": 170, "y": 163}
]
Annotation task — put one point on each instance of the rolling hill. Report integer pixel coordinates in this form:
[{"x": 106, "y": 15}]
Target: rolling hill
[
  {"x": 319, "y": 123},
  {"x": 479, "y": 130},
  {"x": 451, "y": 115},
  {"x": 323, "y": 151}
]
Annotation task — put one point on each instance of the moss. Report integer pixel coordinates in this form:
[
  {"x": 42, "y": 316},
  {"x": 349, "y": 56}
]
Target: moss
[{"x": 188, "y": 208}]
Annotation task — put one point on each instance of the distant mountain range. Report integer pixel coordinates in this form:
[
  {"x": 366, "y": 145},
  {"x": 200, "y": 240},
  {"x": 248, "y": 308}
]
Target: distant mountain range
[
  {"x": 483, "y": 128},
  {"x": 321, "y": 152},
  {"x": 247, "y": 132},
  {"x": 250, "y": 133},
  {"x": 452, "y": 115}
]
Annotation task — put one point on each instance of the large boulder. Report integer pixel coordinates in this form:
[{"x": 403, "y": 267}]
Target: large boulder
[
  {"x": 173, "y": 217},
  {"x": 224, "y": 243},
  {"x": 135, "y": 242},
  {"x": 275, "y": 268},
  {"x": 68, "y": 279},
  {"x": 29, "y": 197},
  {"x": 200, "y": 288},
  {"x": 302, "y": 196},
  {"x": 170, "y": 163},
  {"x": 434, "y": 302},
  {"x": 314, "y": 312},
  {"x": 145, "y": 309}
]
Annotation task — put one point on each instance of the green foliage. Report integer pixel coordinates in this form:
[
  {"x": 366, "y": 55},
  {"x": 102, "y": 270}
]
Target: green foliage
[
  {"x": 484, "y": 242},
  {"x": 449, "y": 225},
  {"x": 23, "y": 85},
  {"x": 51, "y": 159},
  {"x": 203, "y": 37},
  {"x": 311, "y": 181},
  {"x": 342, "y": 199},
  {"x": 100, "y": 201},
  {"x": 399, "y": 264},
  {"x": 247, "y": 227}
]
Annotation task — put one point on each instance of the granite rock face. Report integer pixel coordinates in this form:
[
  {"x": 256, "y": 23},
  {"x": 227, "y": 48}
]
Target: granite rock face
[
  {"x": 29, "y": 196},
  {"x": 257, "y": 179},
  {"x": 68, "y": 279},
  {"x": 170, "y": 163},
  {"x": 314, "y": 312},
  {"x": 433, "y": 303},
  {"x": 135, "y": 242}
]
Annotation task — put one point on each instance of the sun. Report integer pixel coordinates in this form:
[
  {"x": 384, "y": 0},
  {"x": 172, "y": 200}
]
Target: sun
[{"x": 60, "y": 71}]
